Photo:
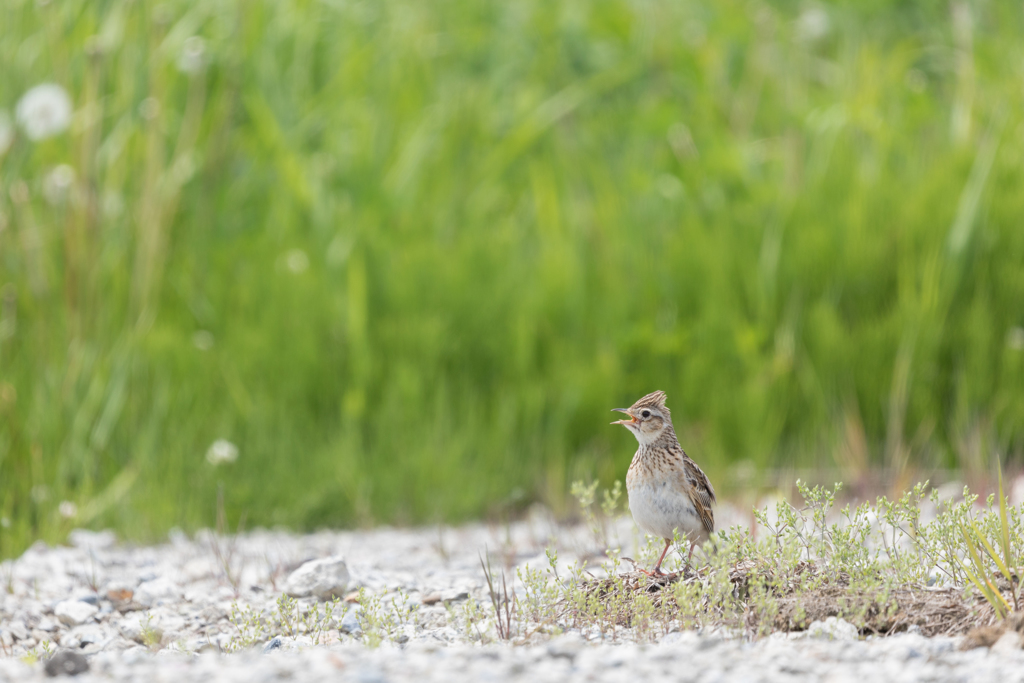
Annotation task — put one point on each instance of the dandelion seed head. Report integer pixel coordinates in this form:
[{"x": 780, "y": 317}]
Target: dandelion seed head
[
  {"x": 40, "y": 493},
  {"x": 203, "y": 340},
  {"x": 149, "y": 108},
  {"x": 192, "y": 56},
  {"x": 1015, "y": 338},
  {"x": 669, "y": 186},
  {"x": 57, "y": 183},
  {"x": 221, "y": 451},
  {"x": 44, "y": 111},
  {"x": 296, "y": 260},
  {"x": 813, "y": 24},
  {"x": 67, "y": 509}
]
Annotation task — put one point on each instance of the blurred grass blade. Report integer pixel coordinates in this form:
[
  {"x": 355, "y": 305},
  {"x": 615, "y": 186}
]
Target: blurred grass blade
[
  {"x": 979, "y": 577},
  {"x": 1004, "y": 522},
  {"x": 980, "y": 537}
]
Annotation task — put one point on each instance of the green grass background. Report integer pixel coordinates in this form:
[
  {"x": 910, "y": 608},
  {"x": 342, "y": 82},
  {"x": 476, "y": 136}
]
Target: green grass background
[{"x": 407, "y": 254}]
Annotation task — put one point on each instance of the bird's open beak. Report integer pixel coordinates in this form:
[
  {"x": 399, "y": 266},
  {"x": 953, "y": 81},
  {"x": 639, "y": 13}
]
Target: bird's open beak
[{"x": 631, "y": 420}]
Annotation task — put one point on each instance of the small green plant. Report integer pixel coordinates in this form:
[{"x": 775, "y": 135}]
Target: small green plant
[
  {"x": 469, "y": 617},
  {"x": 979, "y": 573},
  {"x": 151, "y": 637},
  {"x": 586, "y": 496},
  {"x": 251, "y": 627},
  {"x": 868, "y": 563},
  {"x": 44, "y": 650},
  {"x": 383, "y": 616},
  {"x": 289, "y": 618}
]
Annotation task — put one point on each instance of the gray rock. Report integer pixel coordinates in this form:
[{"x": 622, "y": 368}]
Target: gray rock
[
  {"x": 567, "y": 645},
  {"x": 74, "y": 612},
  {"x": 18, "y": 630},
  {"x": 70, "y": 641},
  {"x": 90, "y": 635},
  {"x": 66, "y": 663},
  {"x": 46, "y": 624},
  {"x": 1008, "y": 643},
  {"x": 454, "y": 595},
  {"x": 157, "y": 592},
  {"x": 350, "y": 622},
  {"x": 832, "y": 628},
  {"x": 324, "y": 578},
  {"x": 274, "y": 644}
]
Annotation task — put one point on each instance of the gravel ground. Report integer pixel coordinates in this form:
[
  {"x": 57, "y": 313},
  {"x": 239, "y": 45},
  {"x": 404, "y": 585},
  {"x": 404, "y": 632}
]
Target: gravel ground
[{"x": 163, "y": 613}]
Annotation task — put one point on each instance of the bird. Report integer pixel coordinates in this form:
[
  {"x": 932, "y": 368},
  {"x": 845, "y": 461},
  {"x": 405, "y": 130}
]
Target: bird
[{"x": 667, "y": 491}]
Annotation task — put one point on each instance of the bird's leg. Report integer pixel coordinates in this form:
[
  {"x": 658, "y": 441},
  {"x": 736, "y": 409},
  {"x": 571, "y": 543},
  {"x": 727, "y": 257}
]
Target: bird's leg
[
  {"x": 657, "y": 567},
  {"x": 690, "y": 556}
]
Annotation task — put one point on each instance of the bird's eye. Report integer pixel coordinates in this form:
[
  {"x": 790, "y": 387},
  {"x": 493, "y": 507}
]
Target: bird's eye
[{"x": 646, "y": 413}]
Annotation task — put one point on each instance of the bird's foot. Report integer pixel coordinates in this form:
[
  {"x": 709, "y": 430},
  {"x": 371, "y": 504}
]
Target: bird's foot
[{"x": 656, "y": 573}]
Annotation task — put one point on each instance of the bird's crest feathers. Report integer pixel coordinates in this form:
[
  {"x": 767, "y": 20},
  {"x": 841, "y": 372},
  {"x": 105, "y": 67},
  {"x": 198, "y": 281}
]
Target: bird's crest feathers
[{"x": 655, "y": 399}]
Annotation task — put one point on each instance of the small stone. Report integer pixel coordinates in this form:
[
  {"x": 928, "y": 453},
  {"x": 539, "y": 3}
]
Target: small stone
[
  {"x": 117, "y": 643},
  {"x": 74, "y": 612},
  {"x": 274, "y": 644},
  {"x": 18, "y": 630},
  {"x": 66, "y": 663},
  {"x": 69, "y": 640},
  {"x": 157, "y": 592},
  {"x": 350, "y": 622},
  {"x": 90, "y": 635},
  {"x": 832, "y": 628},
  {"x": 454, "y": 595},
  {"x": 567, "y": 646},
  {"x": 120, "y": 594},
  {"x": 431, "y": 599},
  {"x": 325, "y": 579},
  {"x": 352, "y": 598},
  {"x": 46, "y": 624},
  {"x": 1008, "y": 643}
]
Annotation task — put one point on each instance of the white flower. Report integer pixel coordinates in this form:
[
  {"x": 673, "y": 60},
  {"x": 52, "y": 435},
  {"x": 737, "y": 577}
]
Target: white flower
[
  {"x": 6, "y": 132},
  {"x": 149, "y": 108},
  {"x": 813, "y": 25},
  {"x": 221, "y": 451},
  {"x": 57, "y": 183},
  {"x": 192, "y": 56},
  {"x": 203, "y": 340},
  {"x": 44, "y": 111},
  {"x": 1015, "y": 338},
  {"x": 67, "y": 509},
  {"x": 669, "y": 186},
  {"x": 296, "y": 260}
]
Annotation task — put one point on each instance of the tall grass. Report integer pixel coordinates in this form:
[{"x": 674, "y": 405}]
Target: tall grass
[{"x": 406, "y": 254}]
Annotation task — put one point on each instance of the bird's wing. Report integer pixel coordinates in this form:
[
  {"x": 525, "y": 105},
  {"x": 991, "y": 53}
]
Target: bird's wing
[{"x": 701, "y": 493}]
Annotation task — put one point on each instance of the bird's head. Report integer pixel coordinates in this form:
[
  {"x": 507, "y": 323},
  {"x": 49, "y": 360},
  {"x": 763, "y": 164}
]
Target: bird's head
[{"x": 649, "y": 418}]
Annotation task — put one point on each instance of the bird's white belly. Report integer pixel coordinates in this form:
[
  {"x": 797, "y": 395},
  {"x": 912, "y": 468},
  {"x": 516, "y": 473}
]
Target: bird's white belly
[{"x": 659, "y": 509}]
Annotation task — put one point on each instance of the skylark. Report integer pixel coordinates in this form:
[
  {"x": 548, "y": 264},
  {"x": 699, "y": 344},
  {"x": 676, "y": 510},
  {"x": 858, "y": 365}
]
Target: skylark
[{"x": 667, "y": 491}]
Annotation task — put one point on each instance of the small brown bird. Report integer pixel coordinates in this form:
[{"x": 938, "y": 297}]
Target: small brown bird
[{"x": 667, "y": 491}]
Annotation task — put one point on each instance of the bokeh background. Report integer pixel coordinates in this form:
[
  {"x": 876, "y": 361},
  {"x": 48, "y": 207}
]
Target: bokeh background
[{"x": 392, "y": 261}]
